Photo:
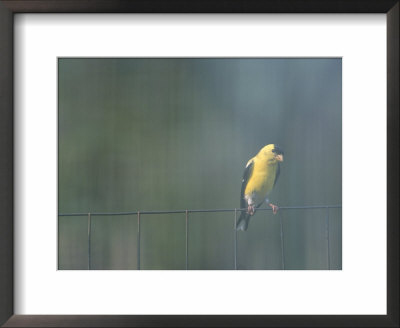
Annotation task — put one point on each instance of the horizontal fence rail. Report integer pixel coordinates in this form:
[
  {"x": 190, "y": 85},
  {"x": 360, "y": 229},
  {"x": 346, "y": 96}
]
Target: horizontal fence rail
[
  {"x": 139, "y": 214},
  {"x": 199, "y": 211}
]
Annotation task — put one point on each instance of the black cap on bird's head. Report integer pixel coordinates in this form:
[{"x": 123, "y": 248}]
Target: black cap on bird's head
[
  {"x": 277, "y": 150},
  {"x": 278, "y": 153}
]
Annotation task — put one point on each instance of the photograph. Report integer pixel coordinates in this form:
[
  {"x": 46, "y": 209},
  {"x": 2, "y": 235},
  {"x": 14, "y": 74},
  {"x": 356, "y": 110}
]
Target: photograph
[{"x": 221, "y": 163}]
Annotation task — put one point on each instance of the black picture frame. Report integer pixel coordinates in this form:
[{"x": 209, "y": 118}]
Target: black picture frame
[{"x": 10, "y": 7}]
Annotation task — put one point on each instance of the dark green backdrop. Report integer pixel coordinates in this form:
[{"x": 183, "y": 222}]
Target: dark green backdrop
[{"x": 171, "y": 134}]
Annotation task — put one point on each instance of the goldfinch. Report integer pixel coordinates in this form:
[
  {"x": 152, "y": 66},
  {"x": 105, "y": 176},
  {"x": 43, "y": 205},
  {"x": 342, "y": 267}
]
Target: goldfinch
[{"x": 260, "y": 176}]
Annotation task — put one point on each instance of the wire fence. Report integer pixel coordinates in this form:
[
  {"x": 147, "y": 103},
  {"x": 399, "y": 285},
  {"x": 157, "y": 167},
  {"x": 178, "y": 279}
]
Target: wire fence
[{"x": 139, "y": 215}]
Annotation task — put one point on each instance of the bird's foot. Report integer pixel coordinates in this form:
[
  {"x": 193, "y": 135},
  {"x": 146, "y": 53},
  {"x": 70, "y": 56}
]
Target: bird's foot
[
  {"x": 250, "y": 209},
  {"x": 274, "y": 208}
]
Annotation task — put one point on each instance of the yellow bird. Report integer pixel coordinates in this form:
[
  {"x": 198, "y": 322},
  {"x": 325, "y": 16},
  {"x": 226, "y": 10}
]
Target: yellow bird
[{"x": 260, "y": 176}]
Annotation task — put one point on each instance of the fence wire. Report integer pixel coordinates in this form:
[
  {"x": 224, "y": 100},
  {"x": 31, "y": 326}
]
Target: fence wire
[{"x": 186, "y": 212}]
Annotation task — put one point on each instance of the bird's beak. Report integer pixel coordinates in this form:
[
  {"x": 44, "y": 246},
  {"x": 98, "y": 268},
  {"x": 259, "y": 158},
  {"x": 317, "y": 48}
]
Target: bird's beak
[{"x": 279, "y": 157}]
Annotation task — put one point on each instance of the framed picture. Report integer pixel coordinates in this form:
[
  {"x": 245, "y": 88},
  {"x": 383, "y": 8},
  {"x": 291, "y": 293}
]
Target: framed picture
[{"x": 133, "y": 146}]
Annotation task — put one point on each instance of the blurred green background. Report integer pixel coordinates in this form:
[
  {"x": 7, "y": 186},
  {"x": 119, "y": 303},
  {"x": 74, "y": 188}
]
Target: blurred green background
[{"x": 175, "y": 134}]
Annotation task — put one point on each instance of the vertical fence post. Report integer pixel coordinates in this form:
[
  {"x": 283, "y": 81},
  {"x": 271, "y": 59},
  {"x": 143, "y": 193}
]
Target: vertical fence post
[
  {"x": 138, "y": 240},
  {"x": 282, "y": 242},
  {"x": 187, "y": 240},
  {"x": 89, "y": 232},
  {"x": 327, "y": 239},
  {"x": 235, "y": 239}
]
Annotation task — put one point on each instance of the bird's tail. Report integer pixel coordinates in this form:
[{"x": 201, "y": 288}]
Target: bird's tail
[{"x": 243, "y": 221}]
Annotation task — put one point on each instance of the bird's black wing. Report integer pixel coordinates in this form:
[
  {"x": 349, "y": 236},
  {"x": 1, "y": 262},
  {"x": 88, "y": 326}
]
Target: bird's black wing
[
  {"x": 278, "y": 171},
  {"x": 246, "y": 177},
  {"x": 243, "y": 221}
]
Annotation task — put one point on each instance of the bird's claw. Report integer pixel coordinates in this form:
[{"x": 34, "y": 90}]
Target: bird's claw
[
  {"x": 274, "y": 208},
  {"x": 250, "y": 209}
]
